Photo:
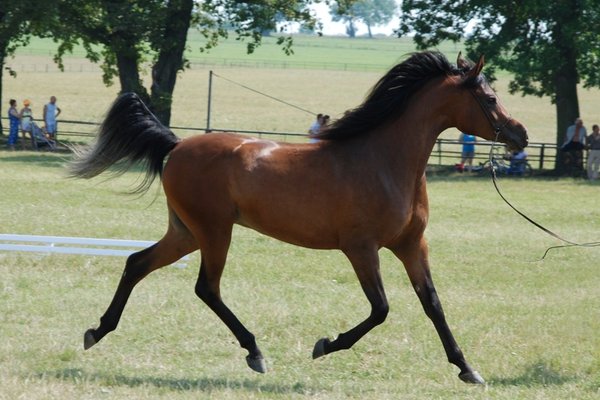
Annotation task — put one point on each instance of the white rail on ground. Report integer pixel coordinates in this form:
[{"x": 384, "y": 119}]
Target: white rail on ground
[{"x": 72, "y": 245}]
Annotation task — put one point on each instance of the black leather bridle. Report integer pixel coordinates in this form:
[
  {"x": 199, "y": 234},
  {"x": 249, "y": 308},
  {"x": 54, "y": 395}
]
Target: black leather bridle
[{"x": 496, "y": 127}]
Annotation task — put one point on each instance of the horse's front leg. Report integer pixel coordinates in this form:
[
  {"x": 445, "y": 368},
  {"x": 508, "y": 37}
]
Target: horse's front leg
[
  {"x": 415, "y": 259},
  {"x": 365, "y": 261}
]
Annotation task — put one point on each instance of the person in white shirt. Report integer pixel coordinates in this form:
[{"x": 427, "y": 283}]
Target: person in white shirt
[
  {"x": 574, "y": 145},
  {"x": 51, "y": 111}
]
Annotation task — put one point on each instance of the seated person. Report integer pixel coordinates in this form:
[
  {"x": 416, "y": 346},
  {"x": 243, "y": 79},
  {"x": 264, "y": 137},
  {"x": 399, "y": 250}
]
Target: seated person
[{"x": 518, "y": 159}]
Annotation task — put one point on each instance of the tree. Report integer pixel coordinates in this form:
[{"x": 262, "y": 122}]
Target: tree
[
  {"x": 549, "y": 46},
  {"x": 342, "y": 11},
  {"x": 370, "y": 12},
  {"x": 375, "y": 12},
  {"x": 130, "y": 33},
  {"x": 134, "y": 32}
]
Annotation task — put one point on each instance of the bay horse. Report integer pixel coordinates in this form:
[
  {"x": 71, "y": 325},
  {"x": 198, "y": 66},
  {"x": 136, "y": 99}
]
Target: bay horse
[{"x": 361, "y": 187}]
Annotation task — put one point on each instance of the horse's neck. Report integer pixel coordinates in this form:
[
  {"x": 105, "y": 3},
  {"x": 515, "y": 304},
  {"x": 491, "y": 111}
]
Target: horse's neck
[{"x": 409, "y": 140}]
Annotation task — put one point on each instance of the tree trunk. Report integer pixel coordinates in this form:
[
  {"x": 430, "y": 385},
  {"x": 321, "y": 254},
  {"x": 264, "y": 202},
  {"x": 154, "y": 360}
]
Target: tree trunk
[
  {"x": 2, "y": 58},
  {"x": 566, "y": 78},
  {"x": 3, "y": 46},
  {"x": 170, "y": 58},
  {"x": 351, "y": 29},
  {"x": 129, "y": 75},
  {"x": 567, "y": 102}
]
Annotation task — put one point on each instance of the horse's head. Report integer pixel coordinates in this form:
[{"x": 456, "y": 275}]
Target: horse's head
[{"x": 486, "y": 116}]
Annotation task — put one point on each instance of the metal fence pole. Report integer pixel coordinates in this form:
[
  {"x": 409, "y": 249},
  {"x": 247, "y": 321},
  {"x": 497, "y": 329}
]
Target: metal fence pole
[{"x": 210, "y": 79}]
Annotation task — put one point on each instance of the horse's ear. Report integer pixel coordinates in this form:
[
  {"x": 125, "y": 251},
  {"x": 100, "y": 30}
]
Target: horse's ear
[
  {"x": 461, "y": 63},
  {"x": 476, "y": 70}
]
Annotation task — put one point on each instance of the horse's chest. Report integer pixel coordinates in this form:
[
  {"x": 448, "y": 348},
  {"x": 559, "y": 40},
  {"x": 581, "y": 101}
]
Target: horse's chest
[{"x": 402, "y": 213}]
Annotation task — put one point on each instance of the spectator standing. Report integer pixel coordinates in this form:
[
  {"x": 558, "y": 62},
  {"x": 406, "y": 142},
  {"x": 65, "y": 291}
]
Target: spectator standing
[
  {"x": 593, "y": 162},
  {"x": 575, "y": 136},
  {"x": 468, "y": 151},
  {"x": 574, "y": 145},
  {"x": 13, "y": 117},
  {"x": 26, "y": 116},
  {"x": 51, "y": 111}
]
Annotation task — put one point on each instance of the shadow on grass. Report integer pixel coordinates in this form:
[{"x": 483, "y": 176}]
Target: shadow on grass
[
  {"x": 55, "y": 159},
  {"x": 37, "y": 159},
  {"x": 540, "y": 373},
  {"x": 201, "y": 384}
]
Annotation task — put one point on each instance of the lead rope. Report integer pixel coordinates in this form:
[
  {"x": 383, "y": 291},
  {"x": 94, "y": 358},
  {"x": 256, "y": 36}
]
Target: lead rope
[{"x": 569, "y": 243}]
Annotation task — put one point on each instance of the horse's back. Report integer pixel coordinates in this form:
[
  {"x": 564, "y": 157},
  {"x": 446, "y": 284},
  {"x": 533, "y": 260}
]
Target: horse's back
[{"x": 228, "y": 154}]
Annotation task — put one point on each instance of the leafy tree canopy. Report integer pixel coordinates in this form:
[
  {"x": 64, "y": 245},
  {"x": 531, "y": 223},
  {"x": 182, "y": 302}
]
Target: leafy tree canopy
[
  {"x": 370, "y": 12},
  {"x": 548, "y": 46},
  {"x": 523, "y": 37},
  {"x": 126, "y": 35}
]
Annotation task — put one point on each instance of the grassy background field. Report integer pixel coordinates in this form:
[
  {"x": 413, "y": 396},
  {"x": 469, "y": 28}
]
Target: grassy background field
[
  {"x": 529, "y": 327},
  {"x": 82, "y": 95}
]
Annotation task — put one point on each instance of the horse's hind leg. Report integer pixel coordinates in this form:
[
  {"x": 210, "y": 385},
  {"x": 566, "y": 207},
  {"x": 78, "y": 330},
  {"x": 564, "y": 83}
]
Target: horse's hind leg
[
  {"x": 214, "y": 254},
  {"x": 176, "y": 243},
  {"x": 416, "y": 262}
]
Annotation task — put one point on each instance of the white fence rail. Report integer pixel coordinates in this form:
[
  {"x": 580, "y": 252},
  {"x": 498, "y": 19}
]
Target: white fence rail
[{"x": 72, "y": 245}]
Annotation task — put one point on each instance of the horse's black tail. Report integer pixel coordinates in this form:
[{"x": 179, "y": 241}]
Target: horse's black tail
[{"x": 129, "y": 135}]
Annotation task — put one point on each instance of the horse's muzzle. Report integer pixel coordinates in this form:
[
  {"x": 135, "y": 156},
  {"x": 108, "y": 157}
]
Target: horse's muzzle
[{"x": 515, "y": 136}]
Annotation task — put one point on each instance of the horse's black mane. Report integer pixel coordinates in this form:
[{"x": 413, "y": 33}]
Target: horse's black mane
[{"x": 391, "y": 94}]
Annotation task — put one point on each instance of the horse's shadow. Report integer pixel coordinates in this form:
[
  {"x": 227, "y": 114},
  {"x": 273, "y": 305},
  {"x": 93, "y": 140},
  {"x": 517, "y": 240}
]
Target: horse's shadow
[
  {"x": 184, "y": 384},
  {"x": 540, "y": 373}
]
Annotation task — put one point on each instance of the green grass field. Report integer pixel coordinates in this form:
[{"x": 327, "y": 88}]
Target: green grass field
[{"x": 529, "y": 327}]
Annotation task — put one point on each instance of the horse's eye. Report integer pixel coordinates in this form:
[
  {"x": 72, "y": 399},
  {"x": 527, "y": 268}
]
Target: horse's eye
[{"x": 491, "y": 101}]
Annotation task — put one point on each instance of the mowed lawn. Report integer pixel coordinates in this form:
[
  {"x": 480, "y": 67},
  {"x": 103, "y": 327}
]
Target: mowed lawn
[{"x": 529, "y": 327}]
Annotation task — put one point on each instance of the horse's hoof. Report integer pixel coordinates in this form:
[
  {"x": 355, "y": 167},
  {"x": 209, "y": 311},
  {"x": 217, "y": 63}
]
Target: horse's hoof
[
  {"x": 257, "y": 364},
  {"x": 472, "y": 377},
  {"x": 319, "y": 349},
  {"x": 88, "y": 339}
]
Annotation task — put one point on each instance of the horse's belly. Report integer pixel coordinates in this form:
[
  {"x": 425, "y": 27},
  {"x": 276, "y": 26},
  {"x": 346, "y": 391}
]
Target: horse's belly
[
  {"x": 312, "y": 231},
  {"x": 325, "y": 223}
]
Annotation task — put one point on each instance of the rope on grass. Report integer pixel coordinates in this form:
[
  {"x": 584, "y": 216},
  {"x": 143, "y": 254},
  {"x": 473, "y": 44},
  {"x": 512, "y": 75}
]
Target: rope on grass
[{"x": 569, "y": 243}]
